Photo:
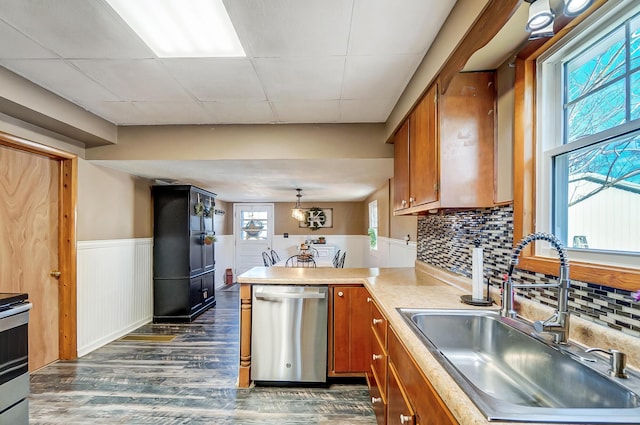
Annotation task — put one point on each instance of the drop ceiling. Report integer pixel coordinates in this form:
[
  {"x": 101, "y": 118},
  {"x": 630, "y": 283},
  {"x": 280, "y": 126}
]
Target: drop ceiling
[{"x": 308, "y": 61}]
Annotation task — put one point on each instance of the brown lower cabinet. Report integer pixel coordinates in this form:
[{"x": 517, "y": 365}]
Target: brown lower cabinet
[
  {"x": 400, "y": 393},
  {"x": 349, "y": 342},
  {"x": 428, "y": 406}
]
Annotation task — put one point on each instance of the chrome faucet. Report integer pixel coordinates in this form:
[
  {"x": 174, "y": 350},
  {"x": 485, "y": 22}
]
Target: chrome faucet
[{"x": 558, "y": 324}]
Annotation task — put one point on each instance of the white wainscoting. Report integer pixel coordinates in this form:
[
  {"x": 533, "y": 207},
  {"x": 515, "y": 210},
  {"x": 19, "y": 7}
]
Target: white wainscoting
[
  {"x": 352, "y": 244},
  {"x": 390, "y": 253},
  {"x": 224, "y": 247},
  {"x": 115, "y": 289}
]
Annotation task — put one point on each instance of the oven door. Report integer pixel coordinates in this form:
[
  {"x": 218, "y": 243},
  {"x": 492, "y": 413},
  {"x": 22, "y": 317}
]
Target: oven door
[{"x": 14, "y": 362}]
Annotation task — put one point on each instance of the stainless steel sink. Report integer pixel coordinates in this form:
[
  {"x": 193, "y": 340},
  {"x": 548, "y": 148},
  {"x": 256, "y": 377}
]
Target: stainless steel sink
[{"x": 511, "y": 375}]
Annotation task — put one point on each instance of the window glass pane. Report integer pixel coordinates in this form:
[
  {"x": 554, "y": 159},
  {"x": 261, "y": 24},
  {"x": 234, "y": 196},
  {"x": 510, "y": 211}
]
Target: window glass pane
[
  {"x": 254, "y": 225},
  {"x": 634, "y": 41},
  {"x": 598, "y": 195},
  {"x": 601, "y": 63},
  {"x": 635, "y": 95},
  {"x": 599, "y": 111}
]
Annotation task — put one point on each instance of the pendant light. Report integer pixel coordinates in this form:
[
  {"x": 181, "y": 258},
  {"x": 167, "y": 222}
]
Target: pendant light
[{"x": 297, "y": 212}]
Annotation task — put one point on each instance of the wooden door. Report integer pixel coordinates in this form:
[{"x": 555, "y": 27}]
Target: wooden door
[
  {"x": 423, "y": 151},
  {"x": 401, "y": 168},
  {"x": 29, "y": 185}
]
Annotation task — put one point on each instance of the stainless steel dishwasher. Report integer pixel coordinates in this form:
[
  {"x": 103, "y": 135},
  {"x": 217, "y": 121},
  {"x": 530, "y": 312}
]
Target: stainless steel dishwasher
[{"x": 289, "y": 333}]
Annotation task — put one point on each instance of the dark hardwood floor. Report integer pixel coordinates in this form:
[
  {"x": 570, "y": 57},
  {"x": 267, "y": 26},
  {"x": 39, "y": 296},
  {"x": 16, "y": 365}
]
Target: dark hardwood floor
[{"x": 189, "y": 379}]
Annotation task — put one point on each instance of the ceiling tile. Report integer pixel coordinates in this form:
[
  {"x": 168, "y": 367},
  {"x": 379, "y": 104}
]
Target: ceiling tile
[
  {"x": 138, "y": 80},
  {"x": 150, "y": 113},
  {"x": 306, "y": 111},
  {"x": 217, "y": 79},
  {"x": 388, "y": 74},
  {"x": 373, "y": 110},
  {"x": 239, "y": 112},
  {"x": 61, "y": 78},
  {"x": 15, "y": 45},
  {"x": 276, "y": 28},
  {"x": 75, "y": 28},
  {"x": 386, "y": 27},
  {"x": 318, "y": 78}
]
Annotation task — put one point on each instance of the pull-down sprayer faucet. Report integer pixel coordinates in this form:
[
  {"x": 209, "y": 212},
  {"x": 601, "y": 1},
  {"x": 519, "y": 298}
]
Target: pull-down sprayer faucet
[{"x": 558, "y": 324}]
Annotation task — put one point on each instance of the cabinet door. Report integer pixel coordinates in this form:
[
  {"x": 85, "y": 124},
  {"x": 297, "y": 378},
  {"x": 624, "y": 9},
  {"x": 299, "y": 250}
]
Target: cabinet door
[
  {"x": 196, "y": 233},
  {"x": 207, "y": 223},
  {"x": 208, "y": 286},
  {"x": 423, "y": 151},
  {"x": 429, "y": 407},
  {"x": 399, "y": 411},
  {"x": 351, "y": 343},
  {"x": 467, "y": 144},
  {"x": 401, "y": 168},
  {"x": 195, "y": 292}
]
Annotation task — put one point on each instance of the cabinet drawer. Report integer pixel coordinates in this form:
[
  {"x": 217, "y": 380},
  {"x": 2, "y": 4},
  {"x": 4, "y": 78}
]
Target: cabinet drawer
[
  {"x": 379, "y": 363},
  {"x": 377, "y": 401},
  {"x": 399, "y": 410},
  {"x": 378, "y": 323}
]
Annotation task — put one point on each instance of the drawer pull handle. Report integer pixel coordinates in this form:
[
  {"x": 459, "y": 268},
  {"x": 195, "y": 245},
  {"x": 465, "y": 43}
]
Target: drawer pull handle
[
  {"x": 377, "y": 357},
  {"x": 340, "y": 294},
  {"x": 369, "y": 299},
  {"x": 406, "y": 419},
  {"x": 377, "y": 321},
  {"x": 375, "y": 400}
]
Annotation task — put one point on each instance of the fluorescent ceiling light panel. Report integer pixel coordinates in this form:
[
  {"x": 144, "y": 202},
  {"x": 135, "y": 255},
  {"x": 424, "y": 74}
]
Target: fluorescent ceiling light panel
[{"x": 182, "y": 29}]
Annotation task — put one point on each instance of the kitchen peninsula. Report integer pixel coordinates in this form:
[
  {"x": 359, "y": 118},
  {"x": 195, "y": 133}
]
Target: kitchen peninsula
[{"x": 421, "y": 287}]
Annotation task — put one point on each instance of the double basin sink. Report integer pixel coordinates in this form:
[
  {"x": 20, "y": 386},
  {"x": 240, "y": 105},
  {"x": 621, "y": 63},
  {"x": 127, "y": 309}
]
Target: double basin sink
[{"x": 512, "y": 375}]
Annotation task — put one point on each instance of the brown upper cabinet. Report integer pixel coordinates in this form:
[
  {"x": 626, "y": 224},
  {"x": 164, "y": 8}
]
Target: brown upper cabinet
[{"x": 444, "y": 151}]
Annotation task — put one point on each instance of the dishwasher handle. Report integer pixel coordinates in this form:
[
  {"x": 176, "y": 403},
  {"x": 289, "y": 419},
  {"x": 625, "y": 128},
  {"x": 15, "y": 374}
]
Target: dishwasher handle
[{"x": 291, "y": 295}]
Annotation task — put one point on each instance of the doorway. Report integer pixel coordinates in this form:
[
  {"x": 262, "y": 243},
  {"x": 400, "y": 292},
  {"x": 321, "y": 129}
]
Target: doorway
[
  {"x": 37, "y": 242},
  {"x": 253, "y": 233}
]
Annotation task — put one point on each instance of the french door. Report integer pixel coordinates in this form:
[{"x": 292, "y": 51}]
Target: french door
[{"x": 253, "y": 231}]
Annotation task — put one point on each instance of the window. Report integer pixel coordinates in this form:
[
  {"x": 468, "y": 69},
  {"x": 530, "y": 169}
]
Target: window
[
  {"x": 254, "y": 225},
  {"x": 373, "y": 225},
  {"x": 588, "y": 143}
]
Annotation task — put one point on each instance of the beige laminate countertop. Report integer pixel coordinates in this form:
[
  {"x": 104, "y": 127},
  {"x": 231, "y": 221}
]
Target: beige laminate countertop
[{"x": 392, "y": 288}]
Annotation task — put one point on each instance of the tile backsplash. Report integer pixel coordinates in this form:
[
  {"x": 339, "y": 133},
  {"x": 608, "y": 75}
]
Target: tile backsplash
[{"x": 446, "y": 241}]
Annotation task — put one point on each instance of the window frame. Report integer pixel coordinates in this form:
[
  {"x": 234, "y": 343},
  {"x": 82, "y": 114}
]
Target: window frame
[
  {"x": 551, "y": 87},
  {"x": 527, "y": 171}
]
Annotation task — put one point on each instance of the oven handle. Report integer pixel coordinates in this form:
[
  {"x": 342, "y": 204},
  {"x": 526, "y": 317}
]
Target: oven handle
[{"x": 15, "y": 316}]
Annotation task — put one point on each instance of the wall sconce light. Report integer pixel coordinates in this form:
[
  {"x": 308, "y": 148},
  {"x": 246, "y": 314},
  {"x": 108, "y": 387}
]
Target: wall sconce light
[
  {"x": 297, "y": 212},
  {"x": 540, "y": 22},
  {"x": 576, "y": 7},
  {"x": 540, "y": 15}
]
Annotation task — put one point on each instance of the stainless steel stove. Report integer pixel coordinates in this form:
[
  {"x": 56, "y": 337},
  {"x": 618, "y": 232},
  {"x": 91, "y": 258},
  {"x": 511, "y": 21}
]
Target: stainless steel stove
[{"x": 14, "y": 358}]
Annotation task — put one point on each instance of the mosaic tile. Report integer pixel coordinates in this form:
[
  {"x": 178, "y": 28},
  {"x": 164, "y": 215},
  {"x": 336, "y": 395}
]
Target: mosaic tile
[{"x": 445, "y": 240}]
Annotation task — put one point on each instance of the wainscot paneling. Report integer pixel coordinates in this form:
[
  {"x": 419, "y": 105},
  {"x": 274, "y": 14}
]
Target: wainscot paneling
[
  {"x": 390, "y": 253},
  {"x": 115, "y": 290}
]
